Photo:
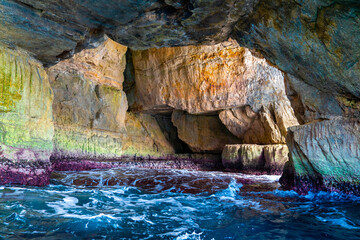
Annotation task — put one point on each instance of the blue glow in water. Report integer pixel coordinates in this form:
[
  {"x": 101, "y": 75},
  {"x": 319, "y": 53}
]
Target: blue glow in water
[{"x": 173, "y": 204}]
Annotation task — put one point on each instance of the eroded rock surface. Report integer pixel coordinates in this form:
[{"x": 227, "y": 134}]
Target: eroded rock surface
[
  {"x": 254, "y": 158},
  {"x": 318, "y": 42},
  {"x": 324, "y": 156},
  {"x": 202, "y": 133},
  {"x": 268, "y": 126},
  {"x": 53, "y": 29},
  {"x": 90, "y": 109},
  {"x": 205, "y": 79},
  {"x": 26, "y": 126},
  {"x": 200, "y": 79}
]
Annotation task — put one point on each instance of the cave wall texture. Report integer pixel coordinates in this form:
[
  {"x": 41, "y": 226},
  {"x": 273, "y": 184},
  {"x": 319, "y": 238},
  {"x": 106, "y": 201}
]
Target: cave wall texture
[{"x": 313, "y": 45}]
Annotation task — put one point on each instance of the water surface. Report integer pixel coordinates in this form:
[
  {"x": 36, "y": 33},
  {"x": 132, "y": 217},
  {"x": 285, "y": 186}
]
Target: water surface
[{"x": 173, "y": 204}]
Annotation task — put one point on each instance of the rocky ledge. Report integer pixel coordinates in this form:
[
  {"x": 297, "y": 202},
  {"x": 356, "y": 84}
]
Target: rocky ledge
[{"x": 252, "y": 158}]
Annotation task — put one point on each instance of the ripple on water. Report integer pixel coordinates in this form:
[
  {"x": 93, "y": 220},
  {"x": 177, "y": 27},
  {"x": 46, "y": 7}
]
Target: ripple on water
[{"x": 173, "y": 204}]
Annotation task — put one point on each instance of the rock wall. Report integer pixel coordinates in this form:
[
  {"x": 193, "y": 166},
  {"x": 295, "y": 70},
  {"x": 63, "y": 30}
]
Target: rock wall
[
  {"x": 90, "y": 109},
  {"x": 255, "y": 158},
  {"x": 26, "y": 126},
  {"x": 202, "y": 133},
  {"x": 247, "y": 91},
  {"x": 324, "y": 156}
]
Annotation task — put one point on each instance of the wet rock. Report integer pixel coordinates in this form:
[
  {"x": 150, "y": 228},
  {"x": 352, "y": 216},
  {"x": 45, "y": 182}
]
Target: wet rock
[
  {"x": 24, "y": 172},
  {"x": 202, "y": 133},
  {"x": 324, "y": 156},
  {"x": 254, "y": 158},
  {"x": 26, "y": 126},
  {"x": 169, "y": 161}
]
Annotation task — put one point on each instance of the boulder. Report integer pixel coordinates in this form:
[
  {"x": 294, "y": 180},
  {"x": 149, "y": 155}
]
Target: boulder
[
  {"x": 202, "y": 133},
  {"x": 324, "y": 156},
  {"x": 252, "y": 158},
  {"x": 268, "y": 126},
  {"x": 26, "y": 125}
]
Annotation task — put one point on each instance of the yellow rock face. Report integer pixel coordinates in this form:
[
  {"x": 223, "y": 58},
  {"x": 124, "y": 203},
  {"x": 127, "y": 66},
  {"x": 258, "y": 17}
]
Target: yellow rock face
[
  {"x": 26, "y": 126},
  {"x": 223, "y": 78},
  {"x": 202, "y": 133},
  {"x": 90, "y": 109},
  {"x": 104, "y": 64}
]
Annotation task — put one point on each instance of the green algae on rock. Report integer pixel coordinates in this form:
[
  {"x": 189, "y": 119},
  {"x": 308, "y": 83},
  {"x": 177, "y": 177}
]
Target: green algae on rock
[
  {"x": 90, "y": 110},
  {"x": 324, "y": 156},
  {"x": 26, "y": 126},
  {"x": 255, "y": 158},
  {"x": 25, "y": 104}
]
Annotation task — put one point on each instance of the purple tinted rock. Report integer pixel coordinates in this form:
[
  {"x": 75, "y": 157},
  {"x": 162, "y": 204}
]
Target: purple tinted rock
[{"x": 25, "y": 173}]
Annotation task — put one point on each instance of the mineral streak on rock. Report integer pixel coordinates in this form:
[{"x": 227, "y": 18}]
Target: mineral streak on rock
[
  {"x": 90, "y": 109},
  {"x": 252, "y": 158},
  {"x": 324, "y": 156},
  {"x": 201, "y": 79},
  {"x": 26, "y": 126}
]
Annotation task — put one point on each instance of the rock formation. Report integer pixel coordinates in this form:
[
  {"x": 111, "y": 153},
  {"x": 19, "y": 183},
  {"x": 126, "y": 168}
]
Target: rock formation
[
  {"x": 204, "y": 79},
  {"x": 26, "y": 126},
  {"x": 315, "y": 43},
  {"x": 324, "y": 156},
  {"x": 202, "y": 133},
  {"x": 255, "y": 158},
  {"x": 90, "y": 109}
]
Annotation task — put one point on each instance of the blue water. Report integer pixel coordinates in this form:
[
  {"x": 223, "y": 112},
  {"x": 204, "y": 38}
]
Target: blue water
[{"x": 172, "y": 204}]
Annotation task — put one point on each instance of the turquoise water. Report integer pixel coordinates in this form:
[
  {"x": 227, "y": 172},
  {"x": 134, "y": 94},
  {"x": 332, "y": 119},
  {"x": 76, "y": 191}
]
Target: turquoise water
[{"x": 172, "y": 204}]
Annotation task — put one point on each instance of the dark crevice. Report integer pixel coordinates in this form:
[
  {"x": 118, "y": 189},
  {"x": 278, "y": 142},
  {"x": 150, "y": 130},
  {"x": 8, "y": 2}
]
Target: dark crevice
[{"x": 171, "y": 133}]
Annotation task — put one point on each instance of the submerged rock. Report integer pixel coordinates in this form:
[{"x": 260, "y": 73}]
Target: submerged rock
[
  {"x": 324, "y": 156},
  {"x": 255, "y": 158},
  {"x": 202, "y": 133}
]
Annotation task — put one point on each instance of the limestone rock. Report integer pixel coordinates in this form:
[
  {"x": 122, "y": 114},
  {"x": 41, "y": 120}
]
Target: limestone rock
[
  {"x": 104, "y": 64},
  {"x": 317, "y": 41},
  {"x": 26, "y": 126},
  {"x": 324, "y": 156},
  {"x": 200, "y": 79},
  {"x": 268, "y": 126},
  {"x": 202, "y": 133},
  {"x": 255, "y": 158},
  {"x": 143, "y": 137},
  {"x": 90, "y": 109},
  {"x": 51, "y": 29}
]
